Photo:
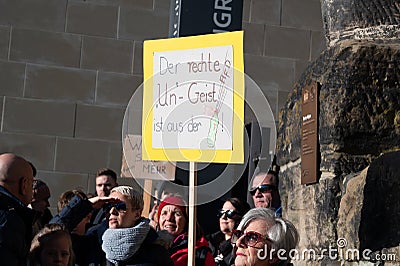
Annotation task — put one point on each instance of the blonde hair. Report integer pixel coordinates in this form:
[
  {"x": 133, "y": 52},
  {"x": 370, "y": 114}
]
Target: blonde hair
[
  {"x": 133, "y": 195},
  {"x": 48, "y": 232}
]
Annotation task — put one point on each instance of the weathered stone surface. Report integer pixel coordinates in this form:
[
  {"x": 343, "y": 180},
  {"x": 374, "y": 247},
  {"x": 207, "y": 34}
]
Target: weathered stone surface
[
  {"x": 351, "y": 204},
  {"x": 359, "y": 101},
  {"x": 369, "y": 212},
  {"x": 313, "y": 209},
  {"x": 356, "y": 195},
  {"x": 358, "y": 109},
  {"x": 380, "y": 215},
  {"x": 361, "y": 20}
]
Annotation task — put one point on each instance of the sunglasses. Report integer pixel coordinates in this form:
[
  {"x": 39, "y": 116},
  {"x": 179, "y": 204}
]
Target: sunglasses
[
  {"x": 228, "y": 213},
  {"x": 251, "y": 238},
  {"x": 262, "y": 188},
  {"x": 119, "y": 206}
]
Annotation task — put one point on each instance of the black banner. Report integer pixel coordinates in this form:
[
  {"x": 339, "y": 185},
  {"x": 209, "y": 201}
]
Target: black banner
[{"x": 196, "y": 17}]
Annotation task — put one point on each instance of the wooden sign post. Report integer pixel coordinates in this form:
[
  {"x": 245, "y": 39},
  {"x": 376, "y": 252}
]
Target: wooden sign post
[
  {"x": 193, "y": 105},
  {"x": 148, "y": 184},
  {"x": 192, "y": 213}
]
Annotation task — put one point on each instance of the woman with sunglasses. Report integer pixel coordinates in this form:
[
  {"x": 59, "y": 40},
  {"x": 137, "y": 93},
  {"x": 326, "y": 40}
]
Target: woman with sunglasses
[
  {"x": 263, "y": 239},
  {"x": 229, "y": 216},
  {"x": 130, "y": 240}
]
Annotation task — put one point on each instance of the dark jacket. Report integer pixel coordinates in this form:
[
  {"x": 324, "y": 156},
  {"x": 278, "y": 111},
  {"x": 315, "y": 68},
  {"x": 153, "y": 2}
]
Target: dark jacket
[
  {"x": 42, "y": 219},
  {"x": 98, "y": 216},
  {"x": 98, "y": 230},
  {"x": 16, "y": 221},
  {"x": 87, "y": 248},
  {"x": 149, "y": 254},
  {"x": 73, "y": 213},
  {"x": 221, "y": 249}
]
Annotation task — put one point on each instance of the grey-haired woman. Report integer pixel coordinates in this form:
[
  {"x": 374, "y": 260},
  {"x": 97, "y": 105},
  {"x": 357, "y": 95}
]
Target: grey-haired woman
[{"x": 264, "y": 239}]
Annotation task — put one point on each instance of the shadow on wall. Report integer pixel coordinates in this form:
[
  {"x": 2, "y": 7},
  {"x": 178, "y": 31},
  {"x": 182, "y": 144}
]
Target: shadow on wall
[{"x": 380, "y": 214}]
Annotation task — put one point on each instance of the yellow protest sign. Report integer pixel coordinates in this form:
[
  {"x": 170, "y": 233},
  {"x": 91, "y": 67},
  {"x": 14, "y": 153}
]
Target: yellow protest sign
[{"x": 193, "y": 99}]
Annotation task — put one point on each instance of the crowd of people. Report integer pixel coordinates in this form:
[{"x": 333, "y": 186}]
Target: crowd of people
[{"x": 107, "y": 228}]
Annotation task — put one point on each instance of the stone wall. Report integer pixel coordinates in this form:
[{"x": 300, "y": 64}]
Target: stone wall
[
  {"x": 353, "y": 206},
  {"x": 69, "y": 68},
  {"x": 358, "y": 122}
]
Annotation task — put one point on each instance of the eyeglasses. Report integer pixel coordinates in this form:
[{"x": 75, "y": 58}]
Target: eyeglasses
[
  {"x": 119, "y": 206},
  {"x": 251, "y": 238},
  {"x": 262, "y": 188},
  {"x": 228, "y": 213}
]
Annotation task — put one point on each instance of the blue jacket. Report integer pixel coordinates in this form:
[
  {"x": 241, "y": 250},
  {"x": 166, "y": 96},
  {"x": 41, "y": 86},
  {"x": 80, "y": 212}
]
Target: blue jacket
[
  {"x": 16, "y": 221},
  {"x": 73, "y": 213}
]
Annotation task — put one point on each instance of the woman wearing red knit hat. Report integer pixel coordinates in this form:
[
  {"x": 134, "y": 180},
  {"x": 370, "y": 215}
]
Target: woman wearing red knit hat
[{"x": 172, "y": 217}]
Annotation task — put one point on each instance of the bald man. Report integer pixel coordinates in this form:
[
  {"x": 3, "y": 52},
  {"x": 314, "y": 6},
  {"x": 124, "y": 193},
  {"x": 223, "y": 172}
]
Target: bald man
[{"x": 16, "y": 219}]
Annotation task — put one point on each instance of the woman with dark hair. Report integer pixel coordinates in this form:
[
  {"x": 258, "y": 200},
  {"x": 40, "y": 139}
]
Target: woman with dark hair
[{"x": 229, "y": 216}]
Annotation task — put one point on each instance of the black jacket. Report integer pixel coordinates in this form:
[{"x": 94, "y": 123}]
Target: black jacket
[
  {"x": 221, "y": 249},
  {"x": 87, "y": 250},
  {"x": 16, "y": 221},
  {"x": 73, "y": 213}
]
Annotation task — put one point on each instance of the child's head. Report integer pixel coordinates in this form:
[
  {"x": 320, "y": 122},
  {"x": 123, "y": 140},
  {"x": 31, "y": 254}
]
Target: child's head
[{"x": 52, "y": 245}]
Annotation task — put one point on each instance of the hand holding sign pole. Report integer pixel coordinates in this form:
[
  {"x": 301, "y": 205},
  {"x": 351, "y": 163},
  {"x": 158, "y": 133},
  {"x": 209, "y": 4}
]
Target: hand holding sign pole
[{"x": 193, "y": 103}]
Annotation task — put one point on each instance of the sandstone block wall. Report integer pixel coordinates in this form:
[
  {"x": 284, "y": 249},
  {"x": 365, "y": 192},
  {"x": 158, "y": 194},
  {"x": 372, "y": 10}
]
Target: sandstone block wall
[{"x": 68, "y": 69}]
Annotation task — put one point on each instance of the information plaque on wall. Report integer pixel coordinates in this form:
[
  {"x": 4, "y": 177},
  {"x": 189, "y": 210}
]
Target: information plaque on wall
[{"x": 309, "y": 134}]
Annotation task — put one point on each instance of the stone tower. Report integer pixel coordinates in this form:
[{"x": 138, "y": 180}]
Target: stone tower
[{"x": 355, "y": 205}]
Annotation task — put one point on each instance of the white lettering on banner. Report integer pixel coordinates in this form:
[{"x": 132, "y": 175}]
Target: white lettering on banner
[
  {"x": 224, "y": 21},
  {"x": 222, "y": 16},
  {"x": 221, "y": 4}
]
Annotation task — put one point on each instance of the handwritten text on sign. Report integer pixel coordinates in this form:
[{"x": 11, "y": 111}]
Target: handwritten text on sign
[
  {"x": 193, "y": 99},
  {"x": 134, "y": 166}
]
